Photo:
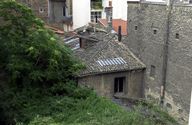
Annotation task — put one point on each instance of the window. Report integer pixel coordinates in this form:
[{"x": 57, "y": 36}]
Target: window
[
  {"x": 135, "y": 27},
  {"x": 154, "y": 31},
  {"x": 177, "y": 35},
  {"x": 41, "y": 10},
  {"x": 94, "y": 15},
  {"x": 64, "y": 11},
  {"x": 152, "y": 72},
  {"x": 118, "y": 84}
]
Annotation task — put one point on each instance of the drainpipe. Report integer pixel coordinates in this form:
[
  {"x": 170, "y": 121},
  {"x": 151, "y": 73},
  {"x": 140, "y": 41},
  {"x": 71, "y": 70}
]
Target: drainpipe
[
  {"x": 190, "y": 115},
  {"x": 165, "y": 54}
]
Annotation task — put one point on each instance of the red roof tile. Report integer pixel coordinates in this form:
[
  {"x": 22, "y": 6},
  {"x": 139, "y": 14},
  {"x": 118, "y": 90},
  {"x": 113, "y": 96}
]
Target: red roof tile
[
  {"x": 116, "y": 23},
  {"x": 54, "y": 29}
]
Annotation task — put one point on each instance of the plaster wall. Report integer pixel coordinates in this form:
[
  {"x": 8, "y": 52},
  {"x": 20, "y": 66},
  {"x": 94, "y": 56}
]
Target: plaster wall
[
  {"x": 81, "y": 13},
  {"x": 119, "y": 9}
]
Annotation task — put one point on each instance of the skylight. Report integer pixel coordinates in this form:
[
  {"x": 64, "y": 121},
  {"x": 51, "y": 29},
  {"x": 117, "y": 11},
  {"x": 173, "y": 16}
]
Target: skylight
[{"x": 112, "y": 61}]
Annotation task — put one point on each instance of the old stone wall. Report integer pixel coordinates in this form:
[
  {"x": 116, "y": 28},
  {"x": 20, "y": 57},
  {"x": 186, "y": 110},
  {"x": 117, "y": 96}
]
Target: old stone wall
[
  {"x": 147, "y": 42},
  {"x": 56, "y": 13},
  {"x": 39, "y": 7},
  {"x": 103, "y": 84}
]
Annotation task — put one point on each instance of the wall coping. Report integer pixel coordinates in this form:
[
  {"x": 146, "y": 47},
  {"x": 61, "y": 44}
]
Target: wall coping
[{"x": 159, "y": 3}]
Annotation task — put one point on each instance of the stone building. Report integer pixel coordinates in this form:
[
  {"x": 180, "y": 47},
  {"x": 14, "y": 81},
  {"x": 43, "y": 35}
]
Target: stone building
[
  {"x": 39, "y": 7},
  {"x": 63, "y": 14},
  {"x": 160, "y": 36},
  {"x": 111, "y": 70}
]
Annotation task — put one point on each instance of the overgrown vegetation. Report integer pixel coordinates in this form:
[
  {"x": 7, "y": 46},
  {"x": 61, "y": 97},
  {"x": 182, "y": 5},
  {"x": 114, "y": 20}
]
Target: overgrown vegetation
[
  {"x": 30, "y": 54},
  {"x": 36, "y": 80},
  {"x": 96, "y": 4},
  {"x": 81, "y": 107}
]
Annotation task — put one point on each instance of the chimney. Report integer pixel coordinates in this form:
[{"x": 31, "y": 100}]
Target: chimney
[
  {"x": 109, "y": 14},
  {"x": 110, "y": 3},
  {"x": 119, "y": 34}
]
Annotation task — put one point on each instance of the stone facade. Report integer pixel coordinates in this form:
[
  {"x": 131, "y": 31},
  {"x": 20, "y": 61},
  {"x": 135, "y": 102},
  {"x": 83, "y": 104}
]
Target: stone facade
[
  {"x": 56, "y": 10},
  {"x": 39, "y": 7},
  {"x": 112, "y": 70},
  {"x": 103, "y": 84},
  {"x": 147, "y": 33},
  {"x": 66, "y": 15}
]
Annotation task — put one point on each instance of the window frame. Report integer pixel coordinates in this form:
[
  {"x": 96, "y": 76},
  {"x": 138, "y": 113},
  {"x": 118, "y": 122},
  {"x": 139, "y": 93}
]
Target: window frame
[
  {"x": 152, "y": 71},
  {"x": 119, "y": 84},
  {"x": 64, "y": 14},
  {"x": 94, "y": 13},
  {"x": 177, "y": 35},
  {"x": 41, "y": 10}
]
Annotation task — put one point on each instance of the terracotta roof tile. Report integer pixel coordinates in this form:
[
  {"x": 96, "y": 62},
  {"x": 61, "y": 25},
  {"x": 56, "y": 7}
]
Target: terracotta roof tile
[{"x": 116, "y": 23}]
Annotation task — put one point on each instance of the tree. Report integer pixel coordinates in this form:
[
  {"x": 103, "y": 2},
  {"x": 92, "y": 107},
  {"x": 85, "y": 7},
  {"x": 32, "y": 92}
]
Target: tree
[
  {"x": 30, "y": 54},
  {"x": 31, "y": 58}
]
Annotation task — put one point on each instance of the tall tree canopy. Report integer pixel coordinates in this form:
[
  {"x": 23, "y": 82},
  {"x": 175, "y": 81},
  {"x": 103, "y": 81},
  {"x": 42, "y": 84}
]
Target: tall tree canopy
[{"x": 29, "y": 53}]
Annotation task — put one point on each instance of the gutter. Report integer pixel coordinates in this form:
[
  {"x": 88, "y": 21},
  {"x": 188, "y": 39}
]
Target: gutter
[{"x": 108, "y": 72}]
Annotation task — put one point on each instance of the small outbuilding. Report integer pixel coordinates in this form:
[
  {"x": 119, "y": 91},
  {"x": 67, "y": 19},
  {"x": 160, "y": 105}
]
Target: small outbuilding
[{"x": 112, "y": 70}]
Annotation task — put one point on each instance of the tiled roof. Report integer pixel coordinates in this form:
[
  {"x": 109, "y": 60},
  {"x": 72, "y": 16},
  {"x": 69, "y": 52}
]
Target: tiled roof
[
  {"x": 107, "y": 56},
  {"x": 116, "y": 23},
  {"x": 55, "y": 30}
]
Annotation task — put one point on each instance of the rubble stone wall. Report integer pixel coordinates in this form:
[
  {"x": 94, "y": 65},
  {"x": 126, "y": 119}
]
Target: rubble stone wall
[{"x": 147, "y": 42}]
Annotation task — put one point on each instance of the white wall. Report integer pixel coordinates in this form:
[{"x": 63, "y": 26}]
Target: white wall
[
  {"x": 156, "y": 0},
  {"x": 119, "y": 9},
  {"x": 81, "y": 13}
]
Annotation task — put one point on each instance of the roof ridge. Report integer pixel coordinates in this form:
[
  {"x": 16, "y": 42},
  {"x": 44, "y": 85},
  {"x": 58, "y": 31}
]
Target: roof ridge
[
  {"x": 131, "y": 53},
  {"x": 102, "y": 48}
]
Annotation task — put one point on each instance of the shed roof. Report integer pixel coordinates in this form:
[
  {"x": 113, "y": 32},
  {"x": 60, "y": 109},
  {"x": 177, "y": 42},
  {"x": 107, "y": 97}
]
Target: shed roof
[{"x": 108, "y": 56}]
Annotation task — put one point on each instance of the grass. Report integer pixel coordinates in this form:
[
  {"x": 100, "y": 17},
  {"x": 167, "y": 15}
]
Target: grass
[{"x": 89, "y": 110}]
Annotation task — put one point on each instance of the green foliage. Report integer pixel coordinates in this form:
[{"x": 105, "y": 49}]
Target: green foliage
[
  {"x": 39, "y": 71},
  {"x": 96, "y": 5},
  {"x": 31, "y": 58},
  {"x": 154, "y": 113},
  {"x": 82, "y": 107},
  {"x": 30, "y": 53},
  {"x": 92, "y": 110}
]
